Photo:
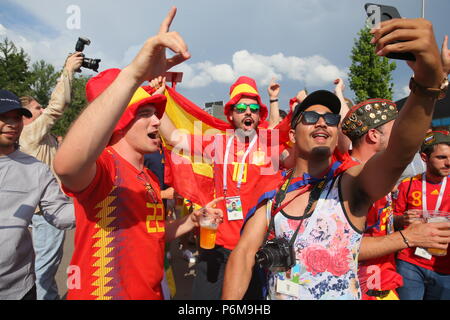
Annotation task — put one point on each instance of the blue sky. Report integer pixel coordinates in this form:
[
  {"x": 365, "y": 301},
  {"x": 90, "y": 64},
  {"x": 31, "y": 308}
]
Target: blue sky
[{"x": 301, "y": 42}]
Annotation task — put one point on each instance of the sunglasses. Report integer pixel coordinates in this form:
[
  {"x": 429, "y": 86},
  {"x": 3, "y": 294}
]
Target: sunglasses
[
  {"x": 311, "y": 117},
  {"x": 242, "y": 107}
]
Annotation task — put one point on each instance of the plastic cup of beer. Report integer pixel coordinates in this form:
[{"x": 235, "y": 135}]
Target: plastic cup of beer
[
  {"x": 208, "y": 229},
  {"x": 433, "y": 217}
]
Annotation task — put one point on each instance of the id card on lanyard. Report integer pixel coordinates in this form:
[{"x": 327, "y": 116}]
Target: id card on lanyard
[
  {"x": 234, "y": 204},
  {"x": 420, "y": 251}
]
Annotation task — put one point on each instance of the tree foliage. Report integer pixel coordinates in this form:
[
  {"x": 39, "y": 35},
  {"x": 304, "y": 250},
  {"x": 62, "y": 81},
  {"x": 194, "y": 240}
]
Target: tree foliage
[
  {"x": 370, "y": 75},
  {"x": 43, "y": 80},
  {"x": 14, "y": 73}
]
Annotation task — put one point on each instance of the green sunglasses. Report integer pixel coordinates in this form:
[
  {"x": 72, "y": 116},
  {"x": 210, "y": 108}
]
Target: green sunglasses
[{"x": 242, "y": 107}]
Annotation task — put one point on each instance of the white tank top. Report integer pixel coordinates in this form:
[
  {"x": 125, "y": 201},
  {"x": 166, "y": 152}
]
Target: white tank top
[{"x": 327, "y": 247}]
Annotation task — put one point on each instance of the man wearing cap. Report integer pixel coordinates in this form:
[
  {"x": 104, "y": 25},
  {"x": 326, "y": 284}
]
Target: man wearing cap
[
  {"x": 240, "y": 159},
  {"x": 121, "y": 230},
  {"x": 37, "y": 141},
  {"x": 25, "y": 184},
  {"x": 369, "y": 125},
  {"x": 425, "y": 277},
  {"x": 322, "y": 207}
]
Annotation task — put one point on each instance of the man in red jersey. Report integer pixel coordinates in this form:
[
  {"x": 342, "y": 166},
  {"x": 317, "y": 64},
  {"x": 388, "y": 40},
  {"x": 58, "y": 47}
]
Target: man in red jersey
[
  {"x": 241, "y": 158},
  {"x": 426, "y": 277},
  {"x": 121, "y": 229},
  {"x": 369, "y": 125}
]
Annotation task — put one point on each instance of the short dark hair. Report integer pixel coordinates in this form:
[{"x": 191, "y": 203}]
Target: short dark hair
[
  {"x": 283, "y": 114},
  {"x": 430, "y": 149}
]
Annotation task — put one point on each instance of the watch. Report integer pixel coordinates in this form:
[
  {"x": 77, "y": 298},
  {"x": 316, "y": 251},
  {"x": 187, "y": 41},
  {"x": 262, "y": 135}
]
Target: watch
[{"x": 434, "y": 93}]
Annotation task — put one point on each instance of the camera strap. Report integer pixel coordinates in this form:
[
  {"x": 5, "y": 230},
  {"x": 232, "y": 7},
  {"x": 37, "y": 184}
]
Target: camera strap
[{"x": 280, "y": 196}]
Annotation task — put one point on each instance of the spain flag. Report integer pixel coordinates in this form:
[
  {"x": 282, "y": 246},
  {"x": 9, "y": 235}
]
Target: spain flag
[{"x": 191, "y": 177}]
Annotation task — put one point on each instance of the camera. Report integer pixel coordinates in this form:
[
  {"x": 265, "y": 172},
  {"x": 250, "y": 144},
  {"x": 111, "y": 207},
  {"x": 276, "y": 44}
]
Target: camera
[
  {"x": 88, "y": 63},
  {"x": 277, "y": 255}
]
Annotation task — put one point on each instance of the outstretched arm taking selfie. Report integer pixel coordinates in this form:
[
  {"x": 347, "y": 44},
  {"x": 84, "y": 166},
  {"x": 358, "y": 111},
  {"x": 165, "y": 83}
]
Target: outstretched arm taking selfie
[{"x": 381, "y": 172}]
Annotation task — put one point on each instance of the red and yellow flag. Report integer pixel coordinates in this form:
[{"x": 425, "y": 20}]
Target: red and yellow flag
[{"x": 192, "y": 177}]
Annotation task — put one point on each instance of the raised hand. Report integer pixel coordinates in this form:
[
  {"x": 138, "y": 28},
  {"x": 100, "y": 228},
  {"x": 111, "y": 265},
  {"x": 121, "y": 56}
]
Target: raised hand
[
  {"x": 74, "y": 62},
  {"x": 418, "y": 37},
  {"x": 151, "y": 61},
  {"x": 195, "y": 216},
  {"x": 159, "y": 84},
  {"x": 274, "y": 89},
  {"x": 340, "y": 86},
  {"x": 445, "y": 56}
]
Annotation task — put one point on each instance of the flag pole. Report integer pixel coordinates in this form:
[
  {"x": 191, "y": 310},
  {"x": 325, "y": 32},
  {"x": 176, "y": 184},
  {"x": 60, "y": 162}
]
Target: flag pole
[{"x": 423, "y": 8}]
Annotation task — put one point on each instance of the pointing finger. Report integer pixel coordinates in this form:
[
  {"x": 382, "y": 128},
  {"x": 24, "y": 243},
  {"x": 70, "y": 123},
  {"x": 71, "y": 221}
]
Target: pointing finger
[{"x": 165, "y": 25}]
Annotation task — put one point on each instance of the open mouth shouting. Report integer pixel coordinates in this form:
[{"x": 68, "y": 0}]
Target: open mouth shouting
[
  {"x": 248, "y": 123},
  {"x": 154, "y": 136}
]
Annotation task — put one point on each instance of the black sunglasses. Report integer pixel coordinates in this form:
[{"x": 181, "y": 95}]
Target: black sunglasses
[{"x": 311, "y": 117}]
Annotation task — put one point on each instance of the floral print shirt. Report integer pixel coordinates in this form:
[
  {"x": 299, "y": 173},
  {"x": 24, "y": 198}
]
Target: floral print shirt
[{"x": 326, "y": 248}]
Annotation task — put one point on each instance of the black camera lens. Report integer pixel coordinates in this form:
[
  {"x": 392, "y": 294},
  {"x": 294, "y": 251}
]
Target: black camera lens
[{"x": 91, "y": 63}]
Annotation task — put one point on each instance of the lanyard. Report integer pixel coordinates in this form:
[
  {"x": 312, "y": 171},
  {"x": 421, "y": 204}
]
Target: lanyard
[
  {"x": 241, "y": 167},
  {"x": 424, "y": 193}
]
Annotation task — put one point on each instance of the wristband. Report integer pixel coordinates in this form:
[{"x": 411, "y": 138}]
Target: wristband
[
  {"x": 274, "y": 100},
  {"x": 404, "y": 239}
]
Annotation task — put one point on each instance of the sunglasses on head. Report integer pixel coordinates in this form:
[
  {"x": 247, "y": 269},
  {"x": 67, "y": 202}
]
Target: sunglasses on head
[
  {"x": 311, "y": 117},
  {"x": 242, "y": 107}
]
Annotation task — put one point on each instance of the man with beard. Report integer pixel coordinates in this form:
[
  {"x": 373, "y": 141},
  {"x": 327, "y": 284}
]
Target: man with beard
[
  {"x": 318, "y": 189},
  {"x": 426, "y": 277},
  {"x": 121, "y": 229},
  {"x": 240, "y": 159}
]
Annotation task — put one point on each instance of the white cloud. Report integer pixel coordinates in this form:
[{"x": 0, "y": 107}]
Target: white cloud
[
  {"x": 314, "y": 71},
  {"x": 2, "y": 30}
]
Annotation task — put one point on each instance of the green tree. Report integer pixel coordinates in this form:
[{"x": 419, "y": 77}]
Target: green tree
[
  {"x": 43, "y": 80},
  {"x": 370, "y": 75},
  {"x": 72, "y": 112},
  {"x": 14, "y": 73}
]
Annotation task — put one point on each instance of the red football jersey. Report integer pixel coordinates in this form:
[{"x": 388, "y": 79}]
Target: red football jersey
[
  {"x": 120, "y": 235},
  {"x": 412, "y": 199},
  {"x": 379, "y": 273},
  {"x": 262, "y": 161}
]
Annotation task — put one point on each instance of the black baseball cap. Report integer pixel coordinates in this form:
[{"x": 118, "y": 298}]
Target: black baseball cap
[
  {"x": 9, "y": 101},
  {"x": 322, "y": 97}
]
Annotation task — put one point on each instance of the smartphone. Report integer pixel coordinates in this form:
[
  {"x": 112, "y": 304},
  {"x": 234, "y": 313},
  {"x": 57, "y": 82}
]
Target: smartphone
[{"x": 387, "y": 13}]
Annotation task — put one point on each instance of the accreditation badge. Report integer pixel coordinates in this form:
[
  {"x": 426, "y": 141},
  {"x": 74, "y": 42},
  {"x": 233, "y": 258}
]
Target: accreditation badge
[
  {"x": 288, "y": 283},
  {"x": 423, "y": 253},
  {"x": 234, "y": 208}
]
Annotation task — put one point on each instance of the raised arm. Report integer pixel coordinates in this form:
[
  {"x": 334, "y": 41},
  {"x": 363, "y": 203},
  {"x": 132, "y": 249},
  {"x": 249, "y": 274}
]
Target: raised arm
[
  {"x": 274, "y": 91},
  {"x": 343, "y": 141},
  {"x": 238, "y": 271},
  {"x": 60, "y": 99},
  {"x": 89, "y": 135},
  {"x": 381, "y": 172},
  {"x": 445, "y": 56}
]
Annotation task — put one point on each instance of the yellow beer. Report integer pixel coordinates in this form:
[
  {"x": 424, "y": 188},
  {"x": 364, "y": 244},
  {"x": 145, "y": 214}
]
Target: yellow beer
[
  {"x": 434, "y": 251},
  {"x": 207, "y": 237},
  {"x": 437, "y": 252}
]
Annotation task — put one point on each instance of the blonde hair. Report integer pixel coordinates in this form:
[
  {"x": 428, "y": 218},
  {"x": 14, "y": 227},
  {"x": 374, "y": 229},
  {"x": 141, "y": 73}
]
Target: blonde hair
[{"x": 26, "y": 100}]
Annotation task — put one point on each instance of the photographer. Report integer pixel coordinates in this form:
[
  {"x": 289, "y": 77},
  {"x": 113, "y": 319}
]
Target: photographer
[{"x": 37, "y": 141}]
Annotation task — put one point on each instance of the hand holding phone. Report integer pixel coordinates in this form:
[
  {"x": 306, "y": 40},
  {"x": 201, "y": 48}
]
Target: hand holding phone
[{"x": 378, "y": 13}]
